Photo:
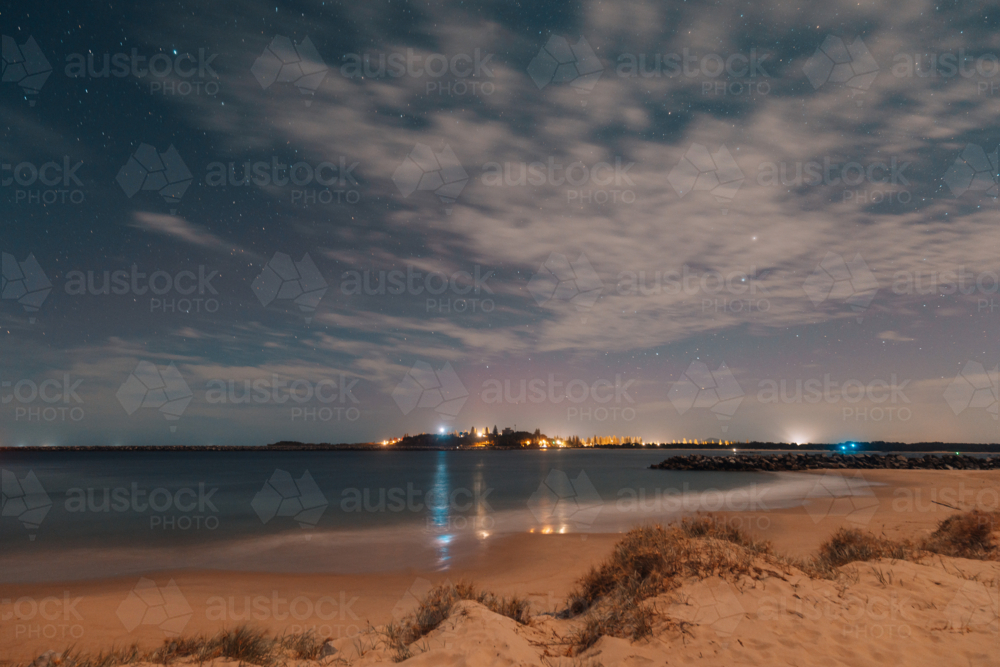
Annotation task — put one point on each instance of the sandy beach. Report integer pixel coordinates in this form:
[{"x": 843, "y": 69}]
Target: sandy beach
[{"x": 938, "y": 611}]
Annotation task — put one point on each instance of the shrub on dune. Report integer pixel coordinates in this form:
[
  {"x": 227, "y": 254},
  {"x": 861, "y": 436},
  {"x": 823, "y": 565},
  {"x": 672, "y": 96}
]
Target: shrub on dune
[
  {"x": 849, "y": 545},
  {"x": 966, "y": 535},
  {"x": 435, "y": 608},
  {"x": 652, "y": 560}
]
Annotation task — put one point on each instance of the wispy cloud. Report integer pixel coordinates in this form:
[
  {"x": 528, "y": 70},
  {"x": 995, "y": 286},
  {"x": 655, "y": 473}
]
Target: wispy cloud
[{"x": 179, "y": 229}]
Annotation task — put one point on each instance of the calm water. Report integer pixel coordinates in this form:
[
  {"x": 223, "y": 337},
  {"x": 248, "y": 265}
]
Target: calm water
[{"x": 116, "y": 513}]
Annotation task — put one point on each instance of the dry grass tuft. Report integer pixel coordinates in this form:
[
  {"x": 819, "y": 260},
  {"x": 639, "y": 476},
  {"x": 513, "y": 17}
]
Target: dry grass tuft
[
  {"x": 435, "y": 608},
  {"x": 244, "y": 643},
  {"x": 849, "y": 545},
  {"x": 966, "y": 535},
  {"x": 116, "y": 656},
  {"x": 247, "y": 644},
  {"x": 650, "y": 561},
  {"x": 709, "y": 527}
]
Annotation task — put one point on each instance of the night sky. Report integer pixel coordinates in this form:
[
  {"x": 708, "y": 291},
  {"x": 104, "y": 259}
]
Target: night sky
[{"x": 746, "y": 221}]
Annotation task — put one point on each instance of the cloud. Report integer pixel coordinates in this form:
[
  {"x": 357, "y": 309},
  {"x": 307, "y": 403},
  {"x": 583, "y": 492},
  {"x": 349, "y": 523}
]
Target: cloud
[
  {"x": 177, "y": 228},
  {"x": 775, "y": 234},
  {"x": 895, "y": 337}
]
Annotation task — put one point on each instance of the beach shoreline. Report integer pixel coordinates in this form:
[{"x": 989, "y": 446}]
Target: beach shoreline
[{"x": 96, "y": 614}]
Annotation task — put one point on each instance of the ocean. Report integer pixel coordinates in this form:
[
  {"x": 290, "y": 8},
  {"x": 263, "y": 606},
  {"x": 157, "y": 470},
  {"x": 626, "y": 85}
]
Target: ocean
[{"x": 80, "y": 515}]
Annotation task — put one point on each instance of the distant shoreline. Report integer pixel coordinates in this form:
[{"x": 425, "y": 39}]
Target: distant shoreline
[{"x": 287, "y": 446}]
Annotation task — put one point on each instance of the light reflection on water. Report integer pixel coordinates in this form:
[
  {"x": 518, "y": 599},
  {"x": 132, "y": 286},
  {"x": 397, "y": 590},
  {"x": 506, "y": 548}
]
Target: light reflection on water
[{"x": 440, "y": 519}]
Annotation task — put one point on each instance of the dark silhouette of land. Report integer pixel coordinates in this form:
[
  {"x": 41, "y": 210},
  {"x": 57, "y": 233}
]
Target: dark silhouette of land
[{"x": 509, "y": 439}]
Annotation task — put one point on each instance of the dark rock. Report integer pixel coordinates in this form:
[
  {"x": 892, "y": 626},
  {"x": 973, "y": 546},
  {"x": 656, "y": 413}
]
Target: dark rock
[{"x": 791, "y": 462}]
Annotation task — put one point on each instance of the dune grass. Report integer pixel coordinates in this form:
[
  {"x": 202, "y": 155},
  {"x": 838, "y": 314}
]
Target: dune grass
[
  {"x": 849, "y": 545},
  {"x": 966, "y": 535},
  {"x": 436, "y": 606},
  {"x": 244, "y": 643},
  {"x": 652, "y": 560}
]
